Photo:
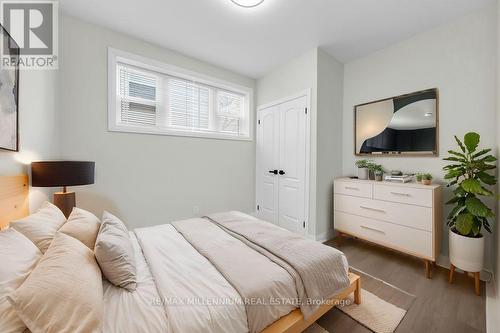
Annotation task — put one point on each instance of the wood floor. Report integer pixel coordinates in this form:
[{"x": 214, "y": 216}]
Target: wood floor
[{"x": 438, "y": 307}]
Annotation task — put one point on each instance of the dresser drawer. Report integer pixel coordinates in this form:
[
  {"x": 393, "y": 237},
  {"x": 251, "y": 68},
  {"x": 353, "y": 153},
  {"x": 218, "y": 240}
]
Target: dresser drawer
[
  {"x": 403, "y": 194},
  {"x": 353, "y": 188},
  {"x": 404, "y": 239},
  {"x": 407, "y": 215}
]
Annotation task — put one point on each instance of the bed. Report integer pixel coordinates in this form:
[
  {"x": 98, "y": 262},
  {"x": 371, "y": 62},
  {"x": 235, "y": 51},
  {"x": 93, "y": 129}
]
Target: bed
[{"x": 227, "y": 272}]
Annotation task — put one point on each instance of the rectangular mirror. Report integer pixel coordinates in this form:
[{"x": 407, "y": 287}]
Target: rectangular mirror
[{"x": 402, "y": 125}]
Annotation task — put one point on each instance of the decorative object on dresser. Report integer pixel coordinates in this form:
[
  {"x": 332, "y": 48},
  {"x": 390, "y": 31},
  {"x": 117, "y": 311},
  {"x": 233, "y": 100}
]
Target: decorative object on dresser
[
  {"x": 62, "y": 173},
  {"x": 362, "y": 166},
  {"x": 376, "y": 171},
  {"x": 469, "y": 173},
  {"x": 399, "y": 178},
  {"x": 424, "y": 178},
  {"x": 402, "y": 216}
]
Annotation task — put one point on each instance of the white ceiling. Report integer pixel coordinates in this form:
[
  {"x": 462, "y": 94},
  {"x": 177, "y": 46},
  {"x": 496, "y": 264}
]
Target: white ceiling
[{"x": 254, "y": 41}]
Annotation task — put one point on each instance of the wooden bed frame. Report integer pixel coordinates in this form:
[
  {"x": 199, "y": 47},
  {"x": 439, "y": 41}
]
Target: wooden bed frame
[
  {"x": 14, "y": 200},
  {"x": 14, "y": 204},
  {"x": 294, "y": 322}
]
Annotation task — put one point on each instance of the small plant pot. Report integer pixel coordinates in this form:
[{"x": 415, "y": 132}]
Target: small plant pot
[
  {"x": 427, "y": 181},
  {"x": 466, "y": 253},
  {"x": 378, "y": 176},
  {"x": 371, "y": 175},
  {"x": 362, "y": 173}
]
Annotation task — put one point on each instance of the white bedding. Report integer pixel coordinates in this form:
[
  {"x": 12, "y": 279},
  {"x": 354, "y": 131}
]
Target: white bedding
[
  {"x": 182, "y": 275},
  {"x": 179, "y": 290},
  {"x": 132, "y": 312}
]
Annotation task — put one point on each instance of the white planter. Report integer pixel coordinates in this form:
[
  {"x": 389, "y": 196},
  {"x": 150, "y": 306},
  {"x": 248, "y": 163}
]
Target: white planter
[
  {"x": 466, "y": 253},
  {"x": 362, "y": 173}
]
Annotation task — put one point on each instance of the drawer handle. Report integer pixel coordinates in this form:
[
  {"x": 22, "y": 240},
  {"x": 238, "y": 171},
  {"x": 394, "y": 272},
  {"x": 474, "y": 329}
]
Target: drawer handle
[
  {"x": 401, "y": 194},
  {"x": 374, "y": 209},
  {"x": 373, "y": 229},
  {"x": 351, "y": 188}
]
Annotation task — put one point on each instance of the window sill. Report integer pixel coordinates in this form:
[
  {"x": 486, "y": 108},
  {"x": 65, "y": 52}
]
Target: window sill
[{"x": 179, "y": 133}]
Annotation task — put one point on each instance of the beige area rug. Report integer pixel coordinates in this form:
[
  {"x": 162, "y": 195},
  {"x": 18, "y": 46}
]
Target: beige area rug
[{"x": 382, "y": 308}]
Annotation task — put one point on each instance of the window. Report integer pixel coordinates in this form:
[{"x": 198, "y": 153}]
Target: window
[{"x": 149, "y": 97}]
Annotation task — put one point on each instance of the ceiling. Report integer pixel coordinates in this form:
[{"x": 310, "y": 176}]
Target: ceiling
[{"x": 252, "y": 41}]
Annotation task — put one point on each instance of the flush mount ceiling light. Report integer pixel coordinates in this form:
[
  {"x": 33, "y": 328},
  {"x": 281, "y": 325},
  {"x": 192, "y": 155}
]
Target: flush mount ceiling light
[
  {"x": 428, "y": 114},
  {"x": 248, "y": 3}
]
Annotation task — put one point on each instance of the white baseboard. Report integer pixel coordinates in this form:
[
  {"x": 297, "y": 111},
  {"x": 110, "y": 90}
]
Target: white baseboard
[{"x": 323, "y": 237}]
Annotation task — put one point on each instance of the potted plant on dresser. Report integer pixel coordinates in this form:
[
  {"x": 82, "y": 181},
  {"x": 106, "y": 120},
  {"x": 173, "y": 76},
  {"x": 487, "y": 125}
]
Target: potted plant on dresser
[
  {"x": 469, "y": 173},
  {"x": 362, "y": 168}
]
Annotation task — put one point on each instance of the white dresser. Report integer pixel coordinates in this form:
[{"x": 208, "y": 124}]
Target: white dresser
[{"x": 404, "y": 217}]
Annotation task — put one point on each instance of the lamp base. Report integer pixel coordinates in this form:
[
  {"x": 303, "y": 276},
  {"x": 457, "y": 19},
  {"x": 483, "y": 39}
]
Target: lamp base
[{"x": 65, "y": 201}]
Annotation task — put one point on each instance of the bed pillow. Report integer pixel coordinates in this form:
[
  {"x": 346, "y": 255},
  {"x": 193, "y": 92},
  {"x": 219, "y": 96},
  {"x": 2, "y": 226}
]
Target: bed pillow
[
  {"x": 63, "y": 294},
  {"x": 82, "y": 225},
  {"x": 18, "y": 257},
  {"x": 115, "y": 253},
  {"x": 41, "y": 227}
]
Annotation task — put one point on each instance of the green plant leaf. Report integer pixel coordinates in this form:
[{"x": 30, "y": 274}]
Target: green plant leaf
[
  {"x": 452, "y": 166},
  {"x": 452, "y": 152},
  {"x": 471, "y": 185},
  {"x": 486, "y": 192},
  {"x": 453, "y": 159},
  {"x": 455, "y": 211},
  {"x": 452, "y": 201},
  {"x": 460, "y": 144},
  {"x": 471, "y": 141},
  {"x": 476, "y": 227},
  {"x": 453, "y": 174},
  {"x": 489, "y": 158},
  {"x": 481, "y": 152},
  {"x": 477, "y": 208},
  {"x": 487, "y": 178},
  {"x": 459, "y": 192},
  {"x": 464, "y": 223}
]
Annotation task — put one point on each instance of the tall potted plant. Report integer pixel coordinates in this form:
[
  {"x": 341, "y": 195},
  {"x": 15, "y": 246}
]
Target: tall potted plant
[{"x": 469, "y": 174}]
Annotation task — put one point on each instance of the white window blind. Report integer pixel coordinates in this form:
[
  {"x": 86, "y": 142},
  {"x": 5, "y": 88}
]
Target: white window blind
[
  {"x": 138, "y": 103},
  {"x": 189, "y": 104},
  {"x": 157, "y": 101}
]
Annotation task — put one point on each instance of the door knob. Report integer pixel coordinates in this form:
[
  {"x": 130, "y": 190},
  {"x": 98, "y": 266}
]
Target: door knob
[
  {"x": 282, "y": 172},
  {"x": 273, "y": 171}
]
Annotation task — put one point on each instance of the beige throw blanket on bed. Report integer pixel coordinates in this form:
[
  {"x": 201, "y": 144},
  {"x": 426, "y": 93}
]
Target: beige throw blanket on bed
[{"x": 317, "y": 272}]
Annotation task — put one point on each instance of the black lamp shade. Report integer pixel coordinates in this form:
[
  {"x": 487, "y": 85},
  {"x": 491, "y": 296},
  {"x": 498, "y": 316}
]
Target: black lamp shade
[{"x": 62, "y": 173}]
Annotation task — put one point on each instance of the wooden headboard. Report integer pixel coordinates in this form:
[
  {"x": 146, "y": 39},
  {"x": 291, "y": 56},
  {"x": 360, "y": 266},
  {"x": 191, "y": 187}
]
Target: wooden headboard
[{"x": 14, "y": 201}]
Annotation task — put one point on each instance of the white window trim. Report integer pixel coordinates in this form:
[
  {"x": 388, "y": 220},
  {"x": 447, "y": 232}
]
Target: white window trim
[{"x": 115, "y": 56}]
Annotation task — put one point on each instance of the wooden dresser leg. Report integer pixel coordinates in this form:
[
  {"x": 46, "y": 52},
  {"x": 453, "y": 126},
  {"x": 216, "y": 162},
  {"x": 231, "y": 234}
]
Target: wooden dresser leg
[
  {"x": 477, "y": 283},
  {"x": 357, "y": 292},
  {"x": 452, "y": 272},
  {"x": 427, "y": 269}
]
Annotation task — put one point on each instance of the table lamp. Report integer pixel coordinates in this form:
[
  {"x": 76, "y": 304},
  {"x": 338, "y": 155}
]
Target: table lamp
[{"x": 62, "y": 173}]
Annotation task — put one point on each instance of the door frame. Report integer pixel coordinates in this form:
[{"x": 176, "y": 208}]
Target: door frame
[{"x": 304, "y": 93}]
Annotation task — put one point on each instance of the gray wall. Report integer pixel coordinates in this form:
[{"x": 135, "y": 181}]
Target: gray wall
[
  {"x": 329, "y": 138},
  {"x": 37, "y": 128},
  {"x": 145, "y": 179},
  {"x": 458, "y": 59},
  {"x": 297, "y": 75},
  {"x": 323, "y": 75}
]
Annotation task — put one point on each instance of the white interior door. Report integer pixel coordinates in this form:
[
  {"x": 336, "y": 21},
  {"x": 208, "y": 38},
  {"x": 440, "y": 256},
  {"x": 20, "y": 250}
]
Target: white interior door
[
  {"x": 268, "y": 163},
  {"x": 292, "y": 164}
]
